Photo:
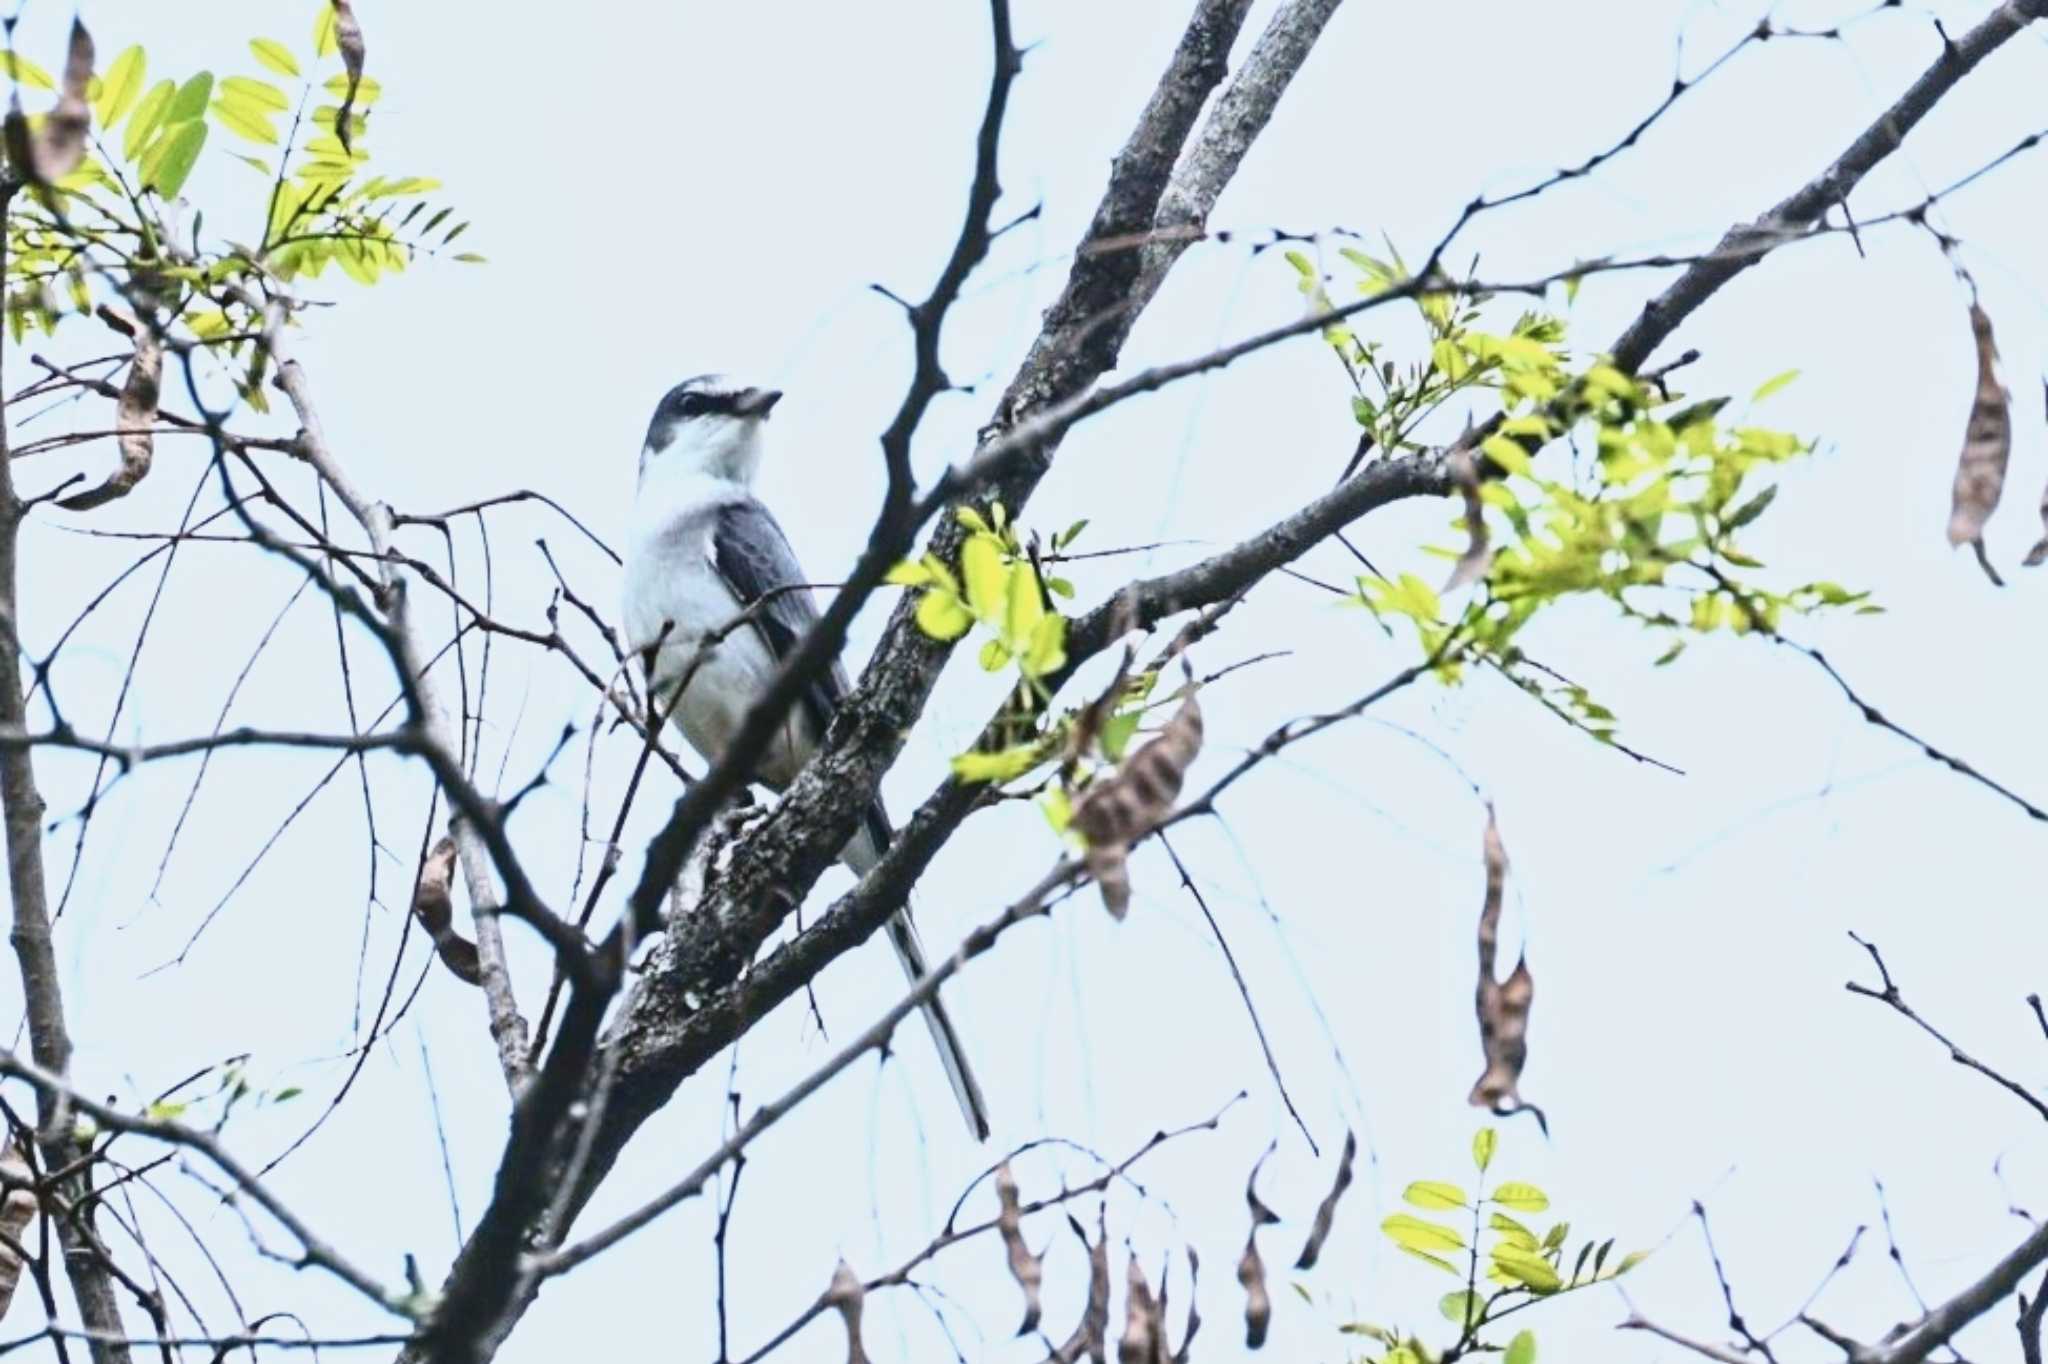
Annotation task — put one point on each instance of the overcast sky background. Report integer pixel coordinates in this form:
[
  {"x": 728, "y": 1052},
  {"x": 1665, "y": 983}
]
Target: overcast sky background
[{"x": 664, "y": 190}]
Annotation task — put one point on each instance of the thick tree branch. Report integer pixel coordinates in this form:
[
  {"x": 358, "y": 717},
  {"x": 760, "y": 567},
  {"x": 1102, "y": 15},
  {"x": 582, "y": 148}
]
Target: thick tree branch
[
  {"x": 1746, "y": 244},
  {"x": 21, "y": 805}
]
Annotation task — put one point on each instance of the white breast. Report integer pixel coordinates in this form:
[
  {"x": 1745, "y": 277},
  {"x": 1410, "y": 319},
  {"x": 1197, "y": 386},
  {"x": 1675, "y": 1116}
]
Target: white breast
[{"x": 673, "y": 594}]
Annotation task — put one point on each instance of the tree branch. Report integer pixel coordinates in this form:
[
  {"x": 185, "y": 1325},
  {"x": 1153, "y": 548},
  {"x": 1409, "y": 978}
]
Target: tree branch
[{"x": 22, "y": 806}]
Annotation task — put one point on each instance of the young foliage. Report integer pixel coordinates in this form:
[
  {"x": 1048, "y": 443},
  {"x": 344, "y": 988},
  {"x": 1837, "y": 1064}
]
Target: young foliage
[
  {"x": 1505, "y": 1266},
  {"x": 1653, "y": 522},
  {"x": 101, "y": 229}
]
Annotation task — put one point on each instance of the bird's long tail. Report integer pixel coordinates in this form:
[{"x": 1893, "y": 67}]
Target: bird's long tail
[
  {"x": 861, "y": 853},
  {"x": 903, "y": 937}
]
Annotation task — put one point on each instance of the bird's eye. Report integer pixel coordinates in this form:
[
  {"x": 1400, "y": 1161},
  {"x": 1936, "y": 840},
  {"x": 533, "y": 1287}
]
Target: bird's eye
[{"x": 691, "y": 404}]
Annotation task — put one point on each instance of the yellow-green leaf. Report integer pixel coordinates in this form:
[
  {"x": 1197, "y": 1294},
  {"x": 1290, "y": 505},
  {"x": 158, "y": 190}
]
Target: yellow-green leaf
[
  {"x": 366, "y": 92},
  {"x": 325, "y": 42},
  {"x": 168, "y": 163},
  {"x": 190, "y": 101},
  {"x": 909, "y": 573},
  {"x": 1527, "y": 1268},
  {"x": 260, "y": 93},
  {"x": 1773, "y": 384},
  {"x": 148, "y": 115},
  {"x": 243, "y": 121},
  {"x": 1516, "y": 1233},
  {"x": 1521, "y": 1197},
  {"x": 1416, "y": 1234},
  {"x": 995, "y": 656},
  {"x": 1484, "y": 1142},
  {"x": 275, "y": 55},
  {"x": 1048, "y": 651},
  {"x": 1462, "y": 1307},
  {"x": 25, "y": 72},
  {"x": 1430, "y": 1193},
  {"x": 986, "y": 577},
  {"x": 120, "y": 88},
  {"x": 1024, "y": 607},
  {"x": 1522, "y": 1349},
  {"x": 1004, "y": 765},
  {"x": 1439, "y": 1261},
  {"x": 1630, "y": 1261},
  {"x": 942, "y": 615}
]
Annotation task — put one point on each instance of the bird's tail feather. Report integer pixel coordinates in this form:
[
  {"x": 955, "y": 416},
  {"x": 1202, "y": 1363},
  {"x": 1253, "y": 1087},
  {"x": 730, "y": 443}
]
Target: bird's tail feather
[{"x": 903, "y": 937}]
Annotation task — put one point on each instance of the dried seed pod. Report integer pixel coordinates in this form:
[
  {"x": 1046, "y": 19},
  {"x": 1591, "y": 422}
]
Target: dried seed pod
[
  {"x": 1144, "y": 1339},
  {"x": 1251, "y": 1267},
  {"x": 1987, "y": 443},
  {"x": 846, "y": 1295},
  {"x": 16, "y": 1208},
  {"x": 1027, "y": 1269},
  {"x": 1091, "y": 1336},
  {"x": 433, "y": 907},
  {"x": 1478, "y": 557},
  {"x": 134, "y": 414},
  {"x": 1123, "y": 806},
  {"x": 348, "y": 37},
  {"x": 1502, "y": 1006},
  {"x": 1326, "y": 1211}
]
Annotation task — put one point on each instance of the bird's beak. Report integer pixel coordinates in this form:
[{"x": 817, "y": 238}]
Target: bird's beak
[{"x": 758, "y": 402}]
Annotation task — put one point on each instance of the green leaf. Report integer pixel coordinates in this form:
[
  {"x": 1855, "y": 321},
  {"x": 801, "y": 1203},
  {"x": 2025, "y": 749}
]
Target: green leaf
[
  {"x": 25, "y": 72},
  {"x": 275, "y": 55},
  {"x": 1773, "y": 384},
  {"x": 262, "y": 94},
  {"x": 1430, "y": 1193},
  {"x": 1024, "y": 607},
  {"x": 1484, "y": 1142},
  {"x": 1522, "y": 1349},
  {"x": 1060, "y": 587},
  {"x": 1521, "y": 1197},
  {"x": 469, "y": 258},
  {"x": 1116, "y": 734},
  {"x": 1413, "y": 1233},
  {"x": 190, "y": 101},
  {"x": 1439, "y": 1261},
  {"x": 367, "y": 90},
  {"x": 285, "y": 1095},
  {"x": 1048, "y": 650},
  {"x": 1005, "y": 765},
  {"x": 1630, "y": 1261},
  {"x": 942, "y": 615},
  {"x": 1059, "y": 809},
  {"x": 1302, "y": 264},
  {"x": 1070, "y": 534},
  {"x": 1508, "y": 454},
  {"x": 168, "y": 163},
  {"x": 1750, "y": 510},
  {"x": 1516, "y": 1234},
  {"x": 325, "y": 42},
  {"x": 966, "y": 516},
  {"x": 986, "y": 576},
  {"x": 243, "y": 121},
  {"x": 120, "y": 88},
  {"x": 1555, "y": 1237},
  {"x": 1527, "y": 1268},
  {"x": 148, "y": 116},
  {"x": 1462, "y": 1308},
  {"x": 909, "y": 573},
  {"x": 163, "y": 1110},
  {"x": 995, "y": 656}
]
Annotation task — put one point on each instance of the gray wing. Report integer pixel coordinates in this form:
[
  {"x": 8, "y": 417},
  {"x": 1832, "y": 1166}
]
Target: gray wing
[{"x": 753, "y": 557}]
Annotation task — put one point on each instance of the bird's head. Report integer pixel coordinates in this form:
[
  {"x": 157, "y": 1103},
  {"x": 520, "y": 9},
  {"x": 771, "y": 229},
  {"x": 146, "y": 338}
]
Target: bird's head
[{"x": 709, "y": 425}]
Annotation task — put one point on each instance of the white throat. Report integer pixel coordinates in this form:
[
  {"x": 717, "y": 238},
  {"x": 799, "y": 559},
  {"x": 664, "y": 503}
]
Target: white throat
[{"x": 726, "y": 448}]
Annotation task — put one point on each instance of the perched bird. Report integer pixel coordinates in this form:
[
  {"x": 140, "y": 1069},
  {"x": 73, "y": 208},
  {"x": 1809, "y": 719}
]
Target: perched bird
[{"x": 702, "y": 549}]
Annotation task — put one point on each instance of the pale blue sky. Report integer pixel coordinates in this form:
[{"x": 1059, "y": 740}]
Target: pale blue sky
[{"x": 666, "y": 190}]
